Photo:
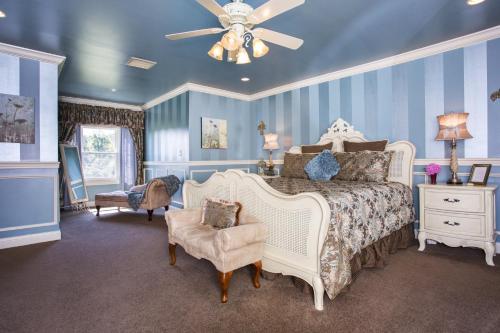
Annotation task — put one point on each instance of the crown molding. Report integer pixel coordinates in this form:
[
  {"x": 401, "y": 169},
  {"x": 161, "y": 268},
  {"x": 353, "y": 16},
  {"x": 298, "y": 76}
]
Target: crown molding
[
  {"x": 93, "y": 102},
  {"x": 33, "y": 54},
  {"x": 449, "y": 45},
  {"x": 196, "y": 88}
]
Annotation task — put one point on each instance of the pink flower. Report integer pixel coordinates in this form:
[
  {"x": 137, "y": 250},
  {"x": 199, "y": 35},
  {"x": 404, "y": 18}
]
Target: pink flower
[{"x": 432, "y": 169}]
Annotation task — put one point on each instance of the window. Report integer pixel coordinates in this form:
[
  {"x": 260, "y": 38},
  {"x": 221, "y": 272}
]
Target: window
[{"x": 101, "y": 154}]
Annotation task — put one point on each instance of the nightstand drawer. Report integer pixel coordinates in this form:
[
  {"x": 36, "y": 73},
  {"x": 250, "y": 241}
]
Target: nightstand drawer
[
  {"x": 455, "y": 224},
  {"x": 460, "y": 201}
]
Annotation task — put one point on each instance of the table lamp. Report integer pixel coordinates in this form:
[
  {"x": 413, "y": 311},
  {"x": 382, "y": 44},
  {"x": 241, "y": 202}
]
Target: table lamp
[
  {"x": 271, "y": 143},
  {"x": 453, "y": 127}
]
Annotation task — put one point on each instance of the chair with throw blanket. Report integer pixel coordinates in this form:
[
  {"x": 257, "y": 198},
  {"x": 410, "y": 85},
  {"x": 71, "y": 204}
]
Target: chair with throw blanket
[
  {"x": 228, "y": 248},
  {"x": 155, "y": 194}
]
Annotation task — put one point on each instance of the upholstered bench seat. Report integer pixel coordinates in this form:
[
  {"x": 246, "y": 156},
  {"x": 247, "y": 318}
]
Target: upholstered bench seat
[
  {"x": 227, "y": 249},
  {"x": 155, "y": 196}
]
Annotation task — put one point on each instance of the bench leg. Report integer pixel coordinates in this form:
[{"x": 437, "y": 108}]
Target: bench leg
[
  {"x": 224, "y": 279},
  {"x": 166, "y": 208},
  {"x": 150, "y": 215},
  {"x": 171, "y": 251},
  {"x": 98, "y": 209},
  {"x": 258, "y": 269}
]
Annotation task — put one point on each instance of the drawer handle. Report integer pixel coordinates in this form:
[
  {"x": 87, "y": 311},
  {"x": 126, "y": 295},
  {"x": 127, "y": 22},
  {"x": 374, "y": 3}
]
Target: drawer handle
[
  {"x": 451, "y": 224},
  {"x": 451, "y": 200}
]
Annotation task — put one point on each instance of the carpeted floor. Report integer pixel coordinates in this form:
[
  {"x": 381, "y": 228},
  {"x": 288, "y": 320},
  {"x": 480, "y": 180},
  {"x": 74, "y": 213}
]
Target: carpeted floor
[{"x": 112, "y": 275}]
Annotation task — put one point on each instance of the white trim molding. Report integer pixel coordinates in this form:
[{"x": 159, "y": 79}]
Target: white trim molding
[
  {"x": 192, "y": 172},
  {"x": 461, "y": 161},
  {"x": 93, "y": 102},
  {"x": 43, "y": 237},
  {"x": 188, "y": 86},
  {"x": 449, "y": 45},
  {"x": 32, "y": 54},
  {"x": 29, "y": 165}
]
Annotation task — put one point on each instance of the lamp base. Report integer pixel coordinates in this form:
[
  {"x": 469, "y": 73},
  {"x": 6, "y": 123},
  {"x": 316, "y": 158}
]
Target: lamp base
[{"x": 454, "y": 180}]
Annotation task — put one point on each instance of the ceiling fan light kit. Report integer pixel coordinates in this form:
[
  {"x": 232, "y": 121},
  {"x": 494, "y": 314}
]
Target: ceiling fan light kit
[
  {"x": 239, "y": 19},
  {"x": 217, "y": 51}
]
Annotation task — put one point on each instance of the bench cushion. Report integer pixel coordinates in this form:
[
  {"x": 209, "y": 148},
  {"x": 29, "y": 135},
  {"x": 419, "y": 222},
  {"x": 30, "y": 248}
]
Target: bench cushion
[{"x": 116, "y": 196}]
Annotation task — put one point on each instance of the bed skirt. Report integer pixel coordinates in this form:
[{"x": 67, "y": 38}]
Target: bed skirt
[{"x": 373, "y": 256}]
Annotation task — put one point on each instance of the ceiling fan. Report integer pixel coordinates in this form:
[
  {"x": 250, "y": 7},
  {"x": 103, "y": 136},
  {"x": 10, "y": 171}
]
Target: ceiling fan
[{"x": 239, "y": 20}]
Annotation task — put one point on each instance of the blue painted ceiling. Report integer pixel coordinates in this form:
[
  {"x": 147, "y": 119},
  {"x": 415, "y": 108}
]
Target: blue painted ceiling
[{"x": 98, "y": 36}]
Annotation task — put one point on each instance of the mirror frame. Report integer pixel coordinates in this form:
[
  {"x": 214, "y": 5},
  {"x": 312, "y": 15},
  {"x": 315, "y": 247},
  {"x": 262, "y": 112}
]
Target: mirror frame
[{"x": 67, "y": 180}]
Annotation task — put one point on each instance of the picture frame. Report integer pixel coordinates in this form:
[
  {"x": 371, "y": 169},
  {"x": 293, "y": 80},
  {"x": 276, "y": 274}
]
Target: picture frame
[
  {"x": 213, "y": 133},
  {"x": 479, "y": 174}
]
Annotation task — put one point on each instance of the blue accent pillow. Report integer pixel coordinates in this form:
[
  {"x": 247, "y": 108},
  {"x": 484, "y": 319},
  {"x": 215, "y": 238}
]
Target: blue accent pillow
[{"x": 322, "y": 167}]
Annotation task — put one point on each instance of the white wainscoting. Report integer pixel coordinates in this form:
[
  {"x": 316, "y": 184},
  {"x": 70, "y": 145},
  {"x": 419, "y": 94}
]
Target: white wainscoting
[{"x": 55, "y": 179}]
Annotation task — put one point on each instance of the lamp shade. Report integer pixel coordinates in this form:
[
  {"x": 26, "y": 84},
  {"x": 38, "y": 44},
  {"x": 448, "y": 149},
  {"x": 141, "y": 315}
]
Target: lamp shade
[
  {"x": 271, "y": 141},
  {"x": 453, "y": 126},
  {"x": 242, "y": 57},
  {"x": 217, "y": 51},
  {"x": 260, "y": 49}
]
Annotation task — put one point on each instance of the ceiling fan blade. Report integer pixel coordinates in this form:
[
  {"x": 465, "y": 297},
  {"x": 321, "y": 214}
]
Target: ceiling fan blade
[
  {"x": 273, "y": 8},
  {"x": 212, "y": 6},
  {"x": 278, "y": 38},
  {"x": 194, "y": 33}
]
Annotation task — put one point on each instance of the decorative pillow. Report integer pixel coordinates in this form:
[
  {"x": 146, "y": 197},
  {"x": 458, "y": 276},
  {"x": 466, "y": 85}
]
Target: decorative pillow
[
  {"x": 322, "y": 167},
  {"x": 220, "y": 214},
  {"x": 366, "y": 166},
  {"x": 295, "y": 164},
  {"x": 350, "y": 147},
  {"x": 316, "y": 149}
]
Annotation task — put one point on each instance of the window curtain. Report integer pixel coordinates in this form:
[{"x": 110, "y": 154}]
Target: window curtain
[
  {"x": 71, "y": 115},
  {"x": 128, "y": 163}
]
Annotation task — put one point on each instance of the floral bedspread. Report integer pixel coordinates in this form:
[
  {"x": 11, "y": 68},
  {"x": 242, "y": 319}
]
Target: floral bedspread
[{"x": 361, "y": 214}]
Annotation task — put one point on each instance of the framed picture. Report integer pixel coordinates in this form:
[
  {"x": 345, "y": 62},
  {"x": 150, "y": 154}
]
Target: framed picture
[
  {"x": 213, "y": 133},
  {"x": 479, "y": 174},
  {"x": 17, "y": 119}
]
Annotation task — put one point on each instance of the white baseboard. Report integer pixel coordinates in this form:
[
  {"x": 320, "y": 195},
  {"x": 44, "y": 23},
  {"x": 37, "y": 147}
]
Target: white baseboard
[{"x": 15, "y": 241}]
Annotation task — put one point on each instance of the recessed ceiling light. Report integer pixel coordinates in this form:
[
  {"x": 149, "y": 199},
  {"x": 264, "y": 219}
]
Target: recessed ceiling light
[
  {"x": 474, "y": 2},
  {"x": 113, "y": 89},
  {"x": 245, "y": 79},
  {"x": 2, "y": 14},
  {"x": 140, "y": 63}
]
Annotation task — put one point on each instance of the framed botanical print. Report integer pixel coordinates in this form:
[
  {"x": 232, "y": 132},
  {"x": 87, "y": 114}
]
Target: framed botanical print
[
  {"x": 479, "y": 174},
  {"x": 213, "y": 133}
]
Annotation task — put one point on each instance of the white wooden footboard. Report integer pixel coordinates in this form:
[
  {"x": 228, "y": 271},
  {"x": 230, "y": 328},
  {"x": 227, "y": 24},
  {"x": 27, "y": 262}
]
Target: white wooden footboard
[{"x": 297, "y": 224}]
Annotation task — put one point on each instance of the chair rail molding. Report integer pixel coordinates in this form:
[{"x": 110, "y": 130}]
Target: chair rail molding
[{"x": 29, "y": 165}]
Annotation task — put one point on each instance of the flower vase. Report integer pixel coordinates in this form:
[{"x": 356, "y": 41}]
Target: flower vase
[{"x": 434, "y": 179}]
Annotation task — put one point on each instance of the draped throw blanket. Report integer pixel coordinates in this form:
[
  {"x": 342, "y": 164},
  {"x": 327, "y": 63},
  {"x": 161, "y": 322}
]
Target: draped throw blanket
[
  {"x": 71, "y": 115},
  {"x": 172, "y": 184}
]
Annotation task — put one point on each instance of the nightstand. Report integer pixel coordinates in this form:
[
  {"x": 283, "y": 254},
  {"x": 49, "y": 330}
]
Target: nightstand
[{"x": 458, "y": 216}]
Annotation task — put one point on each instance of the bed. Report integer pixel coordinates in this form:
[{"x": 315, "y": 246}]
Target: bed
[{"x": 309, "y": 237}]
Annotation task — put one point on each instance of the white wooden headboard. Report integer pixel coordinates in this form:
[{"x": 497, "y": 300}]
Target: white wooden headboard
[{"x": 401, "y": 168}]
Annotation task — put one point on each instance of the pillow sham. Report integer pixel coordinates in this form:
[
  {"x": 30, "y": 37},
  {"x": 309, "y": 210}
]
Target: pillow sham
[
  {"x": 220, "y": 214},
  {"x": 295, "y": 164},
  {"x": 315, "y": 149},
  {"x": 350, "y": 147},
  {"x": 365, "y": 166},
  {"x": 322, "y": 167}
]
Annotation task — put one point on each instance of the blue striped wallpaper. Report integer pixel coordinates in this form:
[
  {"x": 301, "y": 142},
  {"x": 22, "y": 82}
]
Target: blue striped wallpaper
[
  {"x": 36, "y": 79},
  {"x": 167, "y": 131},
  {"x": 398, "y": 103}
]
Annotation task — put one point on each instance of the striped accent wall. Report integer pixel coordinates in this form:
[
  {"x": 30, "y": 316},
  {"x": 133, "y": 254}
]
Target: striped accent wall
[
  {"x": 167, "y": 130},
  {"x": 397, "y": 103},
  {"x": 26, "y": 77}
]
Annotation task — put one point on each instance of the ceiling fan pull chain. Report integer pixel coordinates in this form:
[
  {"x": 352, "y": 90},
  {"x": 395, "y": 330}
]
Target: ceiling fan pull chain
[{"x": 247, "y": 37}]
